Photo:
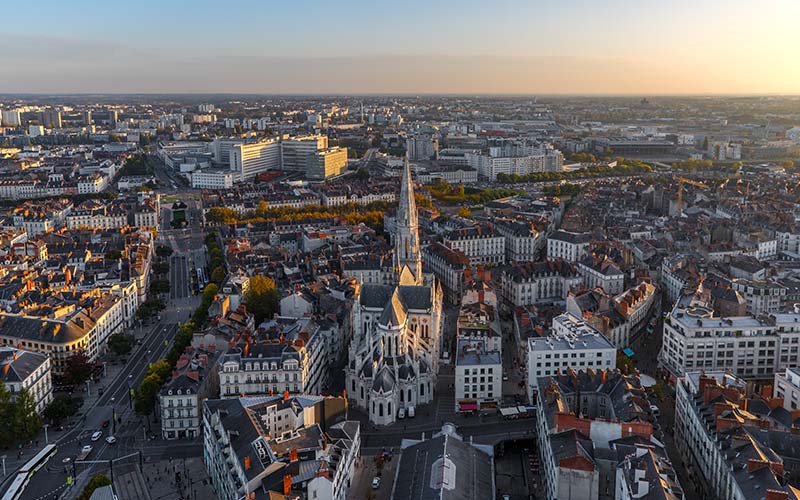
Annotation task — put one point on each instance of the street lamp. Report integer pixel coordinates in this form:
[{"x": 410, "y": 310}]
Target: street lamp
[{"x": 45, "y": 434}]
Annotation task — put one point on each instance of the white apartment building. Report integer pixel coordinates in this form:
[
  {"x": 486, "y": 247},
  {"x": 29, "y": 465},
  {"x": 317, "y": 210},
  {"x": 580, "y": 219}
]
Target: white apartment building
[
  {"x": 523, "y": 240},
  {"x": 761, "y": 297},
  {"x": 788, "y": 242},
  {"x": 480, "y": 243},
  {"x": 249, "y": 160},
  {"x": 602, "y": 273},
  {"x": 787, "y": 387},
  {"x": 97, "y": 219},
  {"x": 490, "y": 166},
  {"x": 532, "y": 283},
  {"x": 29, "y": 371},
  {"x": 572, "y": 344},
  {"x": 568, "y": 246},
  {"x": 11, "y": 118},
  {"x": 213, "y": 179},
  {"x": 263, "y": 369},
  {"x": 747, "y": 346},
  {"x": 92, "y": 184},
  {"x": 479, "y": 376}
]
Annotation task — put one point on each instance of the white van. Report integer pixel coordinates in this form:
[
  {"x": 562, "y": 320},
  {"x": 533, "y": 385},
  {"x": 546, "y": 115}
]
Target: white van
[
  {"x": 401, "y": 413},
  {"x": 411, "y": 412}
]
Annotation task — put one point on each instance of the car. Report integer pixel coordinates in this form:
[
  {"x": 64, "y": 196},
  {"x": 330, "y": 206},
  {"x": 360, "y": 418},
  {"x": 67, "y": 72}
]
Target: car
[
  {"x": 505, "y": 377},
  {"x": 97, "y": 435},
  {"x": 111, "y": 439},
  {"x": 411, "y": 412},
  {"x": 401, "y": 413},
  {"x": 87, "y": 449},
  {"x": 376, "y": 483},
  {"x": 654, "y": 409}
]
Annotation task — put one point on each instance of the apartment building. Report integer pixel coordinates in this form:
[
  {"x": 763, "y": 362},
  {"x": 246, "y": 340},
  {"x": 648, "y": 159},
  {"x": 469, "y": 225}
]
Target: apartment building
[
  {"x": 325, "y": 163},
  {"x": 535, "y": 283},
  {"x": 296, "y": 151},
  {"x": 480, "y": 243},
  {"x": 601, "y": 272},
  {"x": 29, "y": 371},
  {"x": 567, "y": 246},
  {"x": 449, "y": 266}
]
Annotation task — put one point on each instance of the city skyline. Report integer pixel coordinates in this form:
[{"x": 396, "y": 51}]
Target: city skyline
[{"x": 513, "y": 47}]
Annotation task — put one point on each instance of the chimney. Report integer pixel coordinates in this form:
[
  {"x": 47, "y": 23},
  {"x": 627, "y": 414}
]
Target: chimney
[
  {"x": 287, "y": 484},
  {"x": 293, "y": 455},
  {"x": 286, "y": 395},
  {"x": 247, "y": 462},
  {"x": 777, "y": 495},
  {"x": 754, "y": 465}
]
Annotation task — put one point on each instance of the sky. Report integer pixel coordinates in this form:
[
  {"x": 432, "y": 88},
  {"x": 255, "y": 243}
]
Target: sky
[{"x": 643, "y": 47}]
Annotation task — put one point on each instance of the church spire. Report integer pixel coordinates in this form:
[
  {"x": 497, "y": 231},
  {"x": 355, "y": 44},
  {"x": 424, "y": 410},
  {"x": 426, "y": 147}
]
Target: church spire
[{"x": 406, "y": 250}]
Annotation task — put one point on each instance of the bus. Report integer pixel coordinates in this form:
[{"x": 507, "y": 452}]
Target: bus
[{"x": 27, "y": 471}]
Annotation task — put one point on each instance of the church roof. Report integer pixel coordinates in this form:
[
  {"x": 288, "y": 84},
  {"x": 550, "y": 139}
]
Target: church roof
[
  {"x": 394, "y": 313},
  {"x": 384, "y": 381}
]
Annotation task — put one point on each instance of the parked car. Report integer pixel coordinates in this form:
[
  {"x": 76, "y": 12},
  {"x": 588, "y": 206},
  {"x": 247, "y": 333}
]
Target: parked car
[
  {"x": 401, "y": 413},
  {"x": 654, "y": 410},
  {"x": 97, "y": 435},
  {"x": 376, "y": 483},
  {"x": 411, "y": 412}
]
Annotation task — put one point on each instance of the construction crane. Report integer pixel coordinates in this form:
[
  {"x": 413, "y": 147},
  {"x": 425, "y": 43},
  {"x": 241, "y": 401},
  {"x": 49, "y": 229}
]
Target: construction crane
[{"x": 681, "y": 182}]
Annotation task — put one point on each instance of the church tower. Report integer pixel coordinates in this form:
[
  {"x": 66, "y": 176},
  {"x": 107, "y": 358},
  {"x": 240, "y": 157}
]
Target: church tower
[{"x": 406, "y": 241}]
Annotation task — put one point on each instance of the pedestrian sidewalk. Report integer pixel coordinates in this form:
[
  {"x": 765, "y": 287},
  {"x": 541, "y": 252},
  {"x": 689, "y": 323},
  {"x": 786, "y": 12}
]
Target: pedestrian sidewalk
[{"x": 178, "y": 479}]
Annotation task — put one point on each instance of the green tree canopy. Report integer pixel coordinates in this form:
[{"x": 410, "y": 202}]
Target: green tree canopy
[{"x": 261, "y": 298}]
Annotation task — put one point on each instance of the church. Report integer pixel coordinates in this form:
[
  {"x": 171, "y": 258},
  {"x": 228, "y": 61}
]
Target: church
[{"x": 394, "y": 354}]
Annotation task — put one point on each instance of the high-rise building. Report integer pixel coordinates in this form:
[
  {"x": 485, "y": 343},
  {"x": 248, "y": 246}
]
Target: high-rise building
[
  {"x": 221, "y": 148},
  {"x": 249, "y": 160},
  {"x": 297, "y": 150},
  {"x": 11, "y": 118},
  {"x": 421, "y": 147},
  {"x": 327, "y": 163},
  {"x": 35, "y": 130},
  {"x": 50, "y": 118},
  {"x": 87, "y": 117}
]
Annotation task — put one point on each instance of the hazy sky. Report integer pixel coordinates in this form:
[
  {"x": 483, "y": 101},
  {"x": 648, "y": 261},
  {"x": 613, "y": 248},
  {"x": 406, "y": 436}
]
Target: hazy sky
[{"x": 411, "y": 46}]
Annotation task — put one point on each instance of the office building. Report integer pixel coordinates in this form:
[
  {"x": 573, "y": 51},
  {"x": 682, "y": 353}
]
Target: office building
[
  {"x": 221, "y": 149},
  {"x": 327, "y": 163},
  {"x": 295, "y": 152},
  {"x": 249, "y": 160}
]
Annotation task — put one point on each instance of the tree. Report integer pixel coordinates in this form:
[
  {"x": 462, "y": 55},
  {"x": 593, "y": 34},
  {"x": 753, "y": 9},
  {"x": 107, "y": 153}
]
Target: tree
[
  {"x": 163, "y": 251},
  {"x": 26, "y": 421},
  {"x": 61, "y": 408},
  {"x": 78, "y": 368},
  {"x": 362, "y": 174},
  {"x": 218, "y": 275},
  {"x": 97, "y": 481},
  {"x": 114, "y": 254},
  {"x": 6, "y": 414},
  {"x": 209, "y": 292},
  {"x": 145, "y": 400},
  {"x": 465, "y": 212},
  {"x": 120, "y": 344},
  {"x": 262, "y": 297}
]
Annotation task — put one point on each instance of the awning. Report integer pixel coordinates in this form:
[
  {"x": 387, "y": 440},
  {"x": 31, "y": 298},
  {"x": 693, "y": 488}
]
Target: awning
[
  {"x": 468, "y": 406},
  {"x": 507, "y": 412},
  {"x": 628, "y": 352}
]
